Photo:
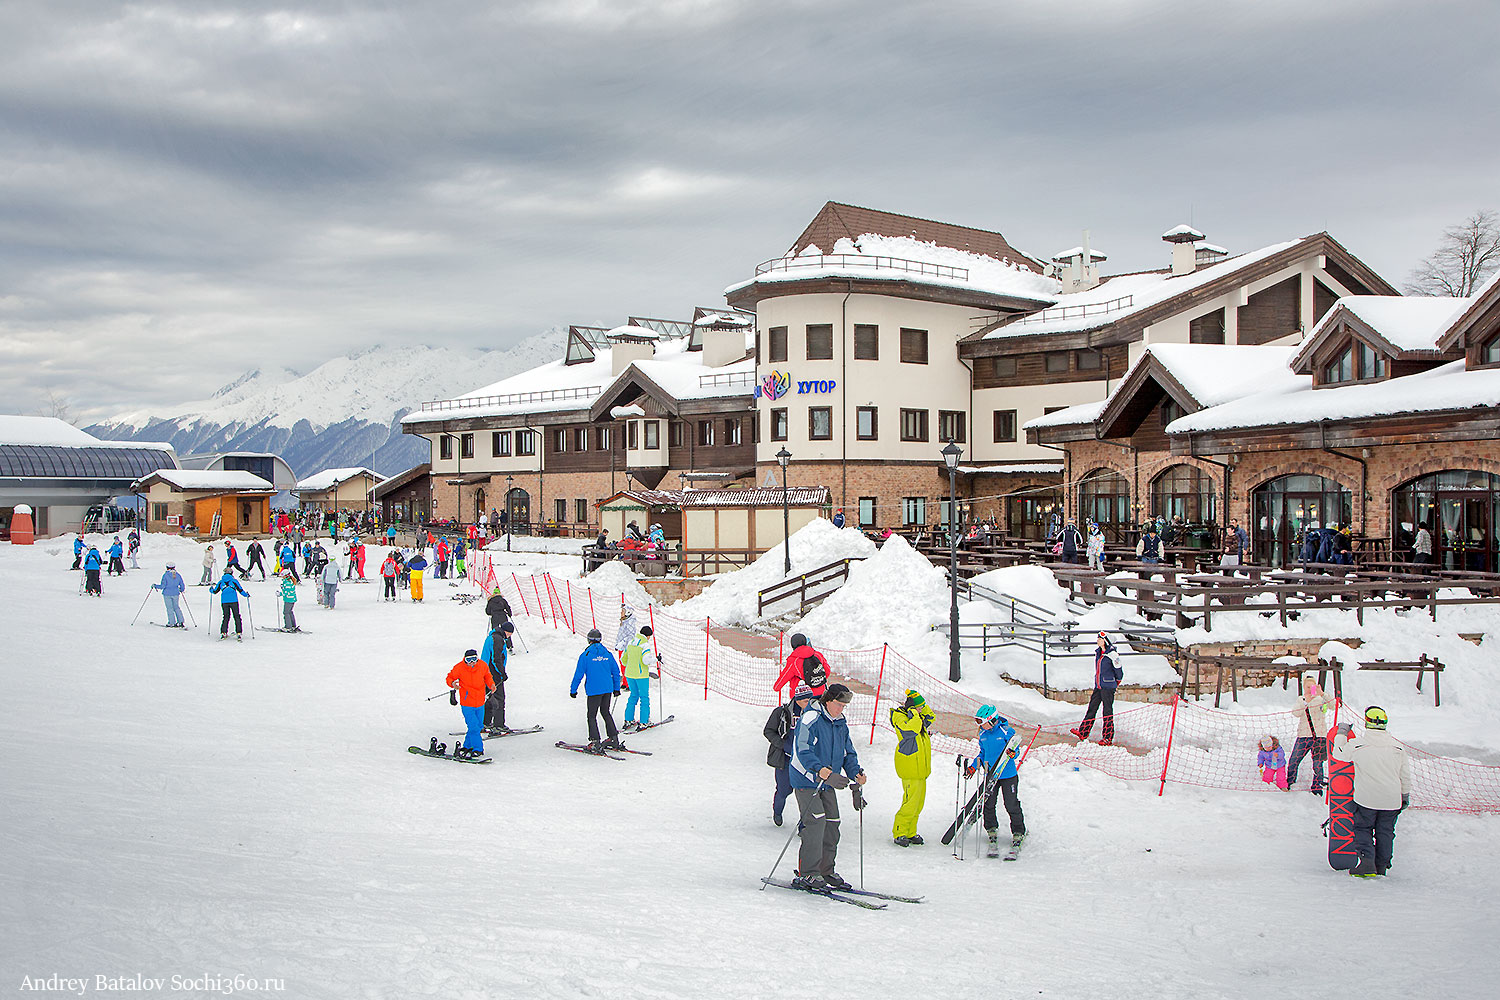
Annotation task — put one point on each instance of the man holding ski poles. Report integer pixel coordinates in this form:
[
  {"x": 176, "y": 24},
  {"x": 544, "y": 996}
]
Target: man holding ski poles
[{"x": 822, "y": 748}]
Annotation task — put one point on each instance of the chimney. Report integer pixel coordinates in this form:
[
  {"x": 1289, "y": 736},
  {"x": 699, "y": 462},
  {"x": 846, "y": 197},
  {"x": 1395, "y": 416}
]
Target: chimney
[
  {"x": 1184, "y": 240},
  {"x": 723, "y": 338},
  {"x": 627, "y": 344},
  {"x": 1079, "y": 266}
]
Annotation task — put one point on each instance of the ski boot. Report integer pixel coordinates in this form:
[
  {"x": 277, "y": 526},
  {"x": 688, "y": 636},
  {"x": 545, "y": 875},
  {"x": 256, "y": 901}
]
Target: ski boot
[
  {"x": 837, "y": 881},
  {"x": 903, "y": 841},
  {"x": 809, "y": 883},
  {"x": 993, "y": 851},
  {"x": 595, "y": 746},
  {"x": 916, "y": 840},
  {"x": 433, "y": 746},
  {"x": 613, "y": 744}
]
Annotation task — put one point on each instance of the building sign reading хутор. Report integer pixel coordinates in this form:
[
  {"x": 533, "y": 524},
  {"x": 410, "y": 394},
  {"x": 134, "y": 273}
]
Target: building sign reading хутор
[{"x": 778, "y": 384}]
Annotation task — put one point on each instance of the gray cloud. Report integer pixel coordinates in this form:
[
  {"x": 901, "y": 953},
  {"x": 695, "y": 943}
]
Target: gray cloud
[{"x": 190, "y": 189}]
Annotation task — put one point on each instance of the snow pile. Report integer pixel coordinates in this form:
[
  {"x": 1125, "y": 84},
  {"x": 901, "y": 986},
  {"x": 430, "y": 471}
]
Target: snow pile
[
  {"x": 1035, "y": 584},
  {"x": 533, "y": 543},
  {"x": 896, "y": 593},
  {"x": 733, "y": 597},
  {"x": 616, "y": 578}
]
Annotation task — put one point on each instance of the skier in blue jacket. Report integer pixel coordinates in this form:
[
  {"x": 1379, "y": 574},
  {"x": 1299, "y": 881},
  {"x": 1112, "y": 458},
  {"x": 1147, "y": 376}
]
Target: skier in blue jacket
[
  {"x": 116, "y": 555},
  {"x": 995, "y": 734},
  {"x": 497, "y": 655},
  {"x": 92, "y": 563},
  {"x": 171, "y": 587},
  {"x": 822, "y": 748},
  {"x": 1107, "y": 677},
  {"x": 229, "y": 591},
  {"x": 78, "y": 550},
  {"x": 599, "y": 672}
]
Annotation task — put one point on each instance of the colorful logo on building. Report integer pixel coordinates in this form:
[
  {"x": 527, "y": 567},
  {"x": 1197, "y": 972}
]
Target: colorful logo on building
[{"x": 774, "y": 385}]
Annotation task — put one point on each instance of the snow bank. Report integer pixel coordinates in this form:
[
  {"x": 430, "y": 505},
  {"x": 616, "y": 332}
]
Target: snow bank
[
  {"x": 896, "y": 593},
  {"x": 616, "y": 578},
  {"x": 1030, "y": 583},
  {"x": 732, "y": 598},
  {"x": 532, "y": 543}
]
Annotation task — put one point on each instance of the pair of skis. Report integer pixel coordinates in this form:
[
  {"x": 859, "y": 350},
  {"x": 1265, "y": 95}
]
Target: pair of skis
[
  {"x": 1012, "y": 853},
  {"x": 850, "y": 896},
  {"x": 641, "y": 729},
  {"x": 975, "y": 806},
  {"x": 495, "y": 734},
  {"x": 288, "y": 631},
  {"x": 600, "y": 751}
]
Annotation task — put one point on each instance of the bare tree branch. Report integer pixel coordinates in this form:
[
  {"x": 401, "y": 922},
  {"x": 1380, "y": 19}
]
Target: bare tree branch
[
  {"x": 55, "y": 405},
  {"x": 1467, "y": 255}
]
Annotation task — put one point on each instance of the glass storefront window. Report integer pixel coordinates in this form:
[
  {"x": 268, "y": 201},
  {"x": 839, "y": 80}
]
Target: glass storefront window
[{"x": 1284, "y": 508}]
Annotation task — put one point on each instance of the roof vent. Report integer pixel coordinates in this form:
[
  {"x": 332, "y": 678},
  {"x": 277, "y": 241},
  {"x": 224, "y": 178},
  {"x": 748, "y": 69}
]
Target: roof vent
[
  {"x": 1184, "y": 256},
  {"x": 1078, "y": 266}
]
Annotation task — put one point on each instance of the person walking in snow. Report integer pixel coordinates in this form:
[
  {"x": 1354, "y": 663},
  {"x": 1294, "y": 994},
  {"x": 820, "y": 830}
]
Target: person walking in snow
[
  {"x": 1107, "y": 676},
  {"x": 289, "y": 600},
  {"x": 92, "y": 563},
  {"x": 471, "y": 676},
  {"x": 780, "y": 728},
  {"x": 210, "y": 559},
  {"x": 133, "y": 545},
  {"x": 229, "y": 591},
  {"x": 1382, "y": 788},
  {"x": 804, "y": 665},
  {"x": 388, "y": 573},
  {"x": 995, "y": 734},
  {"x": 78, "y": 550},
  {"x": 1270, "y": 760},
  {"x": 256, "y": 552},
  {"x": 823, "y": 761},
  {"x": 171, "y": 587},
  {"x": 116, "y": 563},
  {"x": 1096, "y": 548},
  {"x": 635, "y": 663},
  {"x": 599, "y": 672},
  {"x": 496, "y": 653},
  {"x": 1311, "y": 730},
  {"x": 330, "y": 584},
  {"x": 414, "y": 566},
  {"x": 498, "y": 608},
  {"x": 912, "y": 720}
]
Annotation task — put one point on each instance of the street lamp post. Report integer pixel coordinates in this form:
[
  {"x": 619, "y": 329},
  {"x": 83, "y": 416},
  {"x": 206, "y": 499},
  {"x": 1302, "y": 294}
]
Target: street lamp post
[
  {"x": 782, "y": 458},
  {"x": 950, "y": 459},
  {"x": 508, "y": 481}
]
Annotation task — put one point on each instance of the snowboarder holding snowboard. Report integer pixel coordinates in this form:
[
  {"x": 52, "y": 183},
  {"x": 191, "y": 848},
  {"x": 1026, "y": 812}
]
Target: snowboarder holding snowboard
[
  {"x": 229, "y": 591},
  {"x": 804, "y": 665},
  {"x": 822, "y": 749},
  {"x": 171, "y": 587},
  {"x": 780, "y": 729},
  {"x": 995, "y": 734},
  {"x": 599, "y": 673},
  {"x": 471, "y": 676},
  {"x": 1107, "y": 675},
  {"x": 1382, "y": 788},
  {"x": 912, "y": 720},
  {"x": 497, "y": 655}
]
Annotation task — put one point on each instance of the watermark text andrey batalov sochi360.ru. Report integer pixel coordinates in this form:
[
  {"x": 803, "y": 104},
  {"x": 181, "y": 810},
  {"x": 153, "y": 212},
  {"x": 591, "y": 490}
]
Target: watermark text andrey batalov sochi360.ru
[{"x": 194, "y": 984}]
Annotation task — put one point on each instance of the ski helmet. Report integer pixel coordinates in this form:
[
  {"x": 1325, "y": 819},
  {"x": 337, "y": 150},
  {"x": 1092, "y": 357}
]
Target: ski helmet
[
  {"x": 986, "y": 714},
  {"x": 1375, "y": 717},
  {"x": 798, "y": 639},
  {"x": 595, "y": 635}
]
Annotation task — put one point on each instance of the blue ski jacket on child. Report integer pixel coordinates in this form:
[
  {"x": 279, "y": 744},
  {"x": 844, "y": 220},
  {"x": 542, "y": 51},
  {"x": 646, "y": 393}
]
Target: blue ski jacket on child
[
  {"x": 598, "y": 670},
  {"x": 77, "y": 547},
  {"x": 116, "y": 550},
  {"x": 228, "y": 589},
  {"x": 992, "y": 743},
  {"x": 93, "y": 560}
]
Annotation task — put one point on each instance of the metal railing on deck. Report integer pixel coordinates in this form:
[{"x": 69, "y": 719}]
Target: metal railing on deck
[
  {"x": 513, "y": 399},
  {"x": 827, "y": 261}
]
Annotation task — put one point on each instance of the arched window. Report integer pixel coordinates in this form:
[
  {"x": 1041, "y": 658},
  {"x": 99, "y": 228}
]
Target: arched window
[
  {"x": 1185, "y": 492},
  {"x": 1459, "y": 509},
  {"x": 1104, "y": 498},
  {"x": 1286, "y": 507}
]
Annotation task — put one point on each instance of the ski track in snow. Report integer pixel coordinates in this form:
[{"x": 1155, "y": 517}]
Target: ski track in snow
[{"x": 176, "y": 805}]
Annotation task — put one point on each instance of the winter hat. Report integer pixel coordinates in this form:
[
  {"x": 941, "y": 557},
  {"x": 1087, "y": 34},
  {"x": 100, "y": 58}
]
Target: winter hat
[
  {"x": 837, "y": 692},
  {"x": 595, "y": 635},
  {"x": 646, "y": 630},
  {"x": 798, "y": 639},
  {"x": 470, "y": 655},
  {"x": 914, "y": 700},
  {"x": 508, "y": 627},
  {"x": 803, "y": 691},
  {"x": 171, "y": 565}
]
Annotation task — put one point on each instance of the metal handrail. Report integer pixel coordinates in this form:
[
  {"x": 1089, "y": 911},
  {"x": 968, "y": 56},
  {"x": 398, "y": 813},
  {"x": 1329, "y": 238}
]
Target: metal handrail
[
  {"x": 514, "y": 398},
  {"x": 1078, "y": 312},
  {"x": 1065, "y": 639},
  {"x": 863, "y": 260},
  {"x": 726, "y": 378}
]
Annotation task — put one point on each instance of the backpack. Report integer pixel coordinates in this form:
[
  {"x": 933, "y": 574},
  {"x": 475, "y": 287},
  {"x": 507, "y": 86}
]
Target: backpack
[{"x": 814, "y": 670}]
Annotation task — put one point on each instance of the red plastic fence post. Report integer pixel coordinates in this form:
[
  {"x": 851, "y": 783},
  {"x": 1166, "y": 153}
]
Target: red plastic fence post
[
  {"x": 593, "y": 621},
  {"x": 781, "y": 659},
  {"x": 884, "y": 647},
  {"x": 1027, "y": 751},
  {"x": 521, "y": 594},
  {"x": 661, "y": 674},
  {"x": 1167, "y": 760},
  {"x": 708, "y": 624},
  {"x": 571, "y": 615},
  {"x": 538, "y": 593}
]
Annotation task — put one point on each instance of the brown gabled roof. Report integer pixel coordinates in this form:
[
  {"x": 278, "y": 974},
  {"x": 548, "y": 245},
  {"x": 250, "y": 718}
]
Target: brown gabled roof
[
  {"x": 1486, "y": 302},
  {"x": 394, "y": 483},
  {"x": 836, "y": 221}
]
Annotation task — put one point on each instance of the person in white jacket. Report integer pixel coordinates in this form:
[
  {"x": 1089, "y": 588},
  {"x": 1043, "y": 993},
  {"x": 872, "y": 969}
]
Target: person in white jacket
[
  {"x": 209, "y": 559},
  {"x": 1311, "y": 732},
  {"x": 1382, "y": 788},
  {"x": 330, "y": 583}
]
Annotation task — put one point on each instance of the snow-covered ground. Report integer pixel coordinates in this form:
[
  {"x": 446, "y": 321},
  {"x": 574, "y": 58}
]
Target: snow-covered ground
[{"x": 180, "y": 806}]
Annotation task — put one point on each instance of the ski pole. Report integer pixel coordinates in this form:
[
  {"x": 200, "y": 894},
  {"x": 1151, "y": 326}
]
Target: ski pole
[
  {"x": 250, "y": 616},
  {"x": 795, "y": 830},
  {"x": 141, "y": 608},
  {"x": 446, "y": 692},
  {"x": 189, "y": 606},
  {"x": 859, "y": 807}
]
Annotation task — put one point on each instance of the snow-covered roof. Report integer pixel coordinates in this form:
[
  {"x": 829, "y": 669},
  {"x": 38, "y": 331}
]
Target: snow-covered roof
[
  {"x": 723, "y": 319},
  {"x": 1483, "y": 299},
  {"x": 1083, "y": 413},
  {"x": 328, "y": 477},
  {"x": 1182, "y": 234},
  {"x": 16, "y": 428},
  {"x": 1446, "y": 387},
  {"x": 1217, "y": 373},
  {"x": 630, "y": 330},
  {"x": 1212, "y": 248},
  {"x": 902, "y": 258},
  {"x": 210, "y": 480},
  {"x": 1409, "y": 322},
  {"x": 1072, "y": 252},
  {"x": 1121, "y": 296}
]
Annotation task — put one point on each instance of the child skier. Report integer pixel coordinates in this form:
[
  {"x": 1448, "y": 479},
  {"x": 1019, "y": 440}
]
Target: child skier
[
  {"x": 912, "y": 720},
  {"x": 636, "y": 664},
  {"x": 599, "y": 672},
  {"x": 171, "y": 587},
  {"x": 116, "y": 552},
  {"x": 92, "y": 563},
  {"x": 471, "y": 676},
  {"x": 1271, "y": 760},
  {"x": 229, "y": 591},
  {"x": 78, "y": 550},
  {"x": 330, "y": 579},
  {"x": 804, "y": 665},
  {"x": 415, "y": 566},
  {"x": 388, "y": 573},
  {"x": 995, "y": 734},
  {"x": 289, "y": 600}
]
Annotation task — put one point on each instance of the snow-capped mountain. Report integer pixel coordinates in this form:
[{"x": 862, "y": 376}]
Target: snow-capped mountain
[{"x": 345, "y": 412}]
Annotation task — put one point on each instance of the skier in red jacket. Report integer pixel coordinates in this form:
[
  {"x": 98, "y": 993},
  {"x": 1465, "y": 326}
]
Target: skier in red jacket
[{"x": 804, "y": 665}]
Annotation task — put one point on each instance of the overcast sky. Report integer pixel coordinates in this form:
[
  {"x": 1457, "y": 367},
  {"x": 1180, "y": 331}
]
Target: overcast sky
[{"x": 189, "y": 190}]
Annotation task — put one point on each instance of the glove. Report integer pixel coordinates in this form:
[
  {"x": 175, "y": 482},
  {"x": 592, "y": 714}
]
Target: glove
[
  {"x": 969, "y": 771},
  {"x": 859, "y": 798},
  {"x": 572, "y": 694},
  {"x": 836, "y": 780},
  {"x": 1405, "y": 801}
]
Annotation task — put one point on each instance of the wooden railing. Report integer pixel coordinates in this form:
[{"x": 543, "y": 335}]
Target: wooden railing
[
  {"x": 821, "y": 581},
  {"x": 670, "y": 560}
]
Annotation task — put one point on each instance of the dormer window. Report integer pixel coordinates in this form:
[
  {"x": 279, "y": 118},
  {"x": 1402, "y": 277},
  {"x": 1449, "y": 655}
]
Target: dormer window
[
  {"x": 1357, "y": 362},
  {"x": 1170, "y": 411},
  {"x": 1341, "y": 368},
  {"x": 1371, "y": 362},
  {"x": 1489, "y": 351}
]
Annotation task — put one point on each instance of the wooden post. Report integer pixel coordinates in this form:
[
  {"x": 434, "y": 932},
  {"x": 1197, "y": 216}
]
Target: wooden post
[
  {"x": 1167, "y": 760},
  {"x": 708, "y": 624},
  {"x": 884, "y": 648}
]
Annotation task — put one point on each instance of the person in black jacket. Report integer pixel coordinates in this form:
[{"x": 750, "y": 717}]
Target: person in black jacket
[
  {"x": 498, "y": 608},
  {"x": 256, "y": 552},
  {"x": 780, "y": 727},
  {"x": 1107, "y": 676}
]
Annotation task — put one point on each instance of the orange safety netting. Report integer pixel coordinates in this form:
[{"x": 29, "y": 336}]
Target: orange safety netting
[{"x": 1178, "y": 742}]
